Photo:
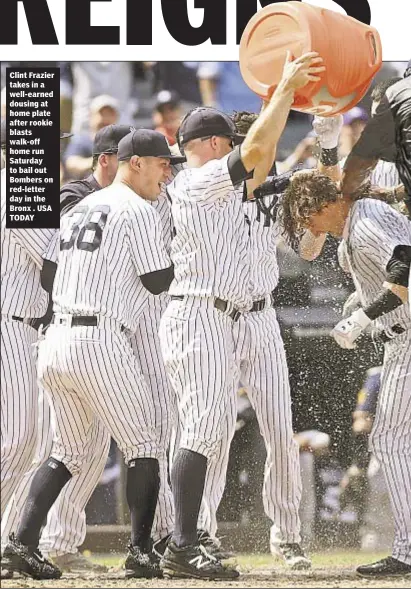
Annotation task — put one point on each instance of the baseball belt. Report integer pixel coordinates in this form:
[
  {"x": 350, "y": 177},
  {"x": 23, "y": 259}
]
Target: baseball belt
[
  {"x": 84, "y": 320},
  {"x": 223, "y": 306}
]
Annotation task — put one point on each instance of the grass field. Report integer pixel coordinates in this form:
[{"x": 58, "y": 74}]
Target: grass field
[{"x": 330, "y": 569}]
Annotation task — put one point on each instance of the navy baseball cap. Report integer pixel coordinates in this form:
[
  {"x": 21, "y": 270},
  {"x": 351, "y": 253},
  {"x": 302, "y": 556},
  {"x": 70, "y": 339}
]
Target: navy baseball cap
[
  {"x": 3, "y": 132},
  {"x": 146, "y": 143},
  {"x": 108, "y": 138},
  {"x": 206, "y": 122}
]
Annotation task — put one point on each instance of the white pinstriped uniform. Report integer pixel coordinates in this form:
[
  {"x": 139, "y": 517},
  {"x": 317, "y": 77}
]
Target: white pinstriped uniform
[
  {"x": 264, "y": 374},
  {"x": 210, "y": 256},
  {"x": 372, "y": 232},
  {"x": 65, "y": 530},
  {"x": 146, "y": 347},
  {"x": 21, "y": 296},
  {"x": 107, "y": 241}
]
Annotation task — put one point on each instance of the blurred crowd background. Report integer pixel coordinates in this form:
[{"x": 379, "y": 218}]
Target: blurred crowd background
[{"x": 325, "y": 380}]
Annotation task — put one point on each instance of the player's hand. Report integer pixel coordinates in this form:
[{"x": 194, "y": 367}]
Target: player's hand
[
  {"x": 348, "y": 330},
  {"x": 351, "y": 304},
  {"x": 328, "y": 130},
  {"x": 299, "y": 72}
]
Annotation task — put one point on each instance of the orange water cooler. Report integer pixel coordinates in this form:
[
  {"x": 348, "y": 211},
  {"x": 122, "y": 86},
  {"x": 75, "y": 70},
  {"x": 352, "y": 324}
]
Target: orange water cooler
[{"x": 351, "y": 51}]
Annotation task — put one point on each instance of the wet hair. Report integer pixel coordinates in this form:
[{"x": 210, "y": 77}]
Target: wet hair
[
  {"x": 243, "y": 121},
  {"x": 380, "y": 89},
  {"x": 309, "y": 191}
]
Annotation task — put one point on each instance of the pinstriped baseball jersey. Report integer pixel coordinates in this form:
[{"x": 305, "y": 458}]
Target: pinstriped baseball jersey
[
  {"x": 21, "y": 262},
  {"x": 373, "y": 230},
  {"x": 385, "y": 175},
  {"x": 101, "y": 257},
  {"x": 210, "y": 247},
  {"x": 264, "y": 236}
]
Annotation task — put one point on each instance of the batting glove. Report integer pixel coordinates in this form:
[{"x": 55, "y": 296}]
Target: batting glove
[
  {"x": 328, "y": 130},
  {"x": 348, "y": 330}
]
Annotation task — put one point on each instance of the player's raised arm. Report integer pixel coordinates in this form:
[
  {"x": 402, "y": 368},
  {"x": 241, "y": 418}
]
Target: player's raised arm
[
  {"x": 327, "y": 131},
  {"x": 263, "y": 137}
]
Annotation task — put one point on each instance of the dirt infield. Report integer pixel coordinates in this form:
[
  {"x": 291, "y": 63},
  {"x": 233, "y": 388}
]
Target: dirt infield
[
  {"x": 322, "y": 577},
  {"x": 329, "y": 570}
]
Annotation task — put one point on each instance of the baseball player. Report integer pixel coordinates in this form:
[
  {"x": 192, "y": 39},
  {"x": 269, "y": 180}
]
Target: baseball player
[
  {"x": 22, "y": 300},
  {"x": 264, "y": 374},
  {"x": 66, "y": 526},
  {"x": 379, "y": 255},
  {"x": 210, "y": 253},
  {"x": 144, "y": 342},
  {"x": 386, "y": 136},
  {"x": 111, "y": 254}
]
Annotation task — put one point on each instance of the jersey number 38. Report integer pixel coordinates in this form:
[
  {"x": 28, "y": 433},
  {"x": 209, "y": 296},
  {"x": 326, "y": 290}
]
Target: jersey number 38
[{"x": 86, "y": 230}]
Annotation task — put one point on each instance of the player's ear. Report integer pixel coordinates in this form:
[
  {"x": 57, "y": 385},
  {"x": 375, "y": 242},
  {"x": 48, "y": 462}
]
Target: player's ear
[{"x": 135, "y": 162}]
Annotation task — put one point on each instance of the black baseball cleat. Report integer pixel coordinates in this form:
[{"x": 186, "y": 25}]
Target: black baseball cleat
[
  {"x": 293, "y": 556},
  {"x": 194, "y": 562},
  {"x": 213, "y": 546},
  {"x": 142, "y": 565},
  {"x": 29, "y": 561},
  {"x": 387, "y": 567}
]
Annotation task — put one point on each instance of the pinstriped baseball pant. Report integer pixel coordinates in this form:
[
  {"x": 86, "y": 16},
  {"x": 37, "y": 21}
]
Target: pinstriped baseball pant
[
  {"x": 264, "y": 374},
  {"x": 92, "y": 371},
  {"x": 65, "y": 530},
  {"x": 18, "y": 404},
  {"x": 390, "y": 438},
  {"x": 198, "y": 350},
  {"x": 146, "y": 346}
]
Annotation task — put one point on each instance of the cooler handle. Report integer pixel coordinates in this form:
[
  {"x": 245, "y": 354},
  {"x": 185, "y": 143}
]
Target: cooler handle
[{"x": 375, "y": 48}]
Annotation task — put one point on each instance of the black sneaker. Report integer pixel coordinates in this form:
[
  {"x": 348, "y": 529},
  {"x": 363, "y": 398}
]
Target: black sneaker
[
  {"x": 141, "y": 565},
  {"x": 213, "y": 546},
  {"x": 160, "y": 546},
  {"x": 293, "y": 556},
  {"x": 387, "y": 567},
  {"x": 194, "y": 562},
  {"x": 29, "y": 561}
]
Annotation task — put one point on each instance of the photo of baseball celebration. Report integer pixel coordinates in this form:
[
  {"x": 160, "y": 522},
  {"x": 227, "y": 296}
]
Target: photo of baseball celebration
[{"x": 206, "y": 370}]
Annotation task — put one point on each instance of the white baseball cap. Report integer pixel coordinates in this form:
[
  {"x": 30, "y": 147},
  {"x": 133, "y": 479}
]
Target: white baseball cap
[{"x": 100, "y": 102}]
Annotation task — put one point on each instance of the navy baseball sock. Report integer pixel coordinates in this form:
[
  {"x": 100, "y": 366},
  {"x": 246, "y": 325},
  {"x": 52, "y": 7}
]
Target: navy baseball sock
[
  {"x": 46, "y": 486},
  {"x": 143, "y": 483},
  {"x": 187, "y": 481}
]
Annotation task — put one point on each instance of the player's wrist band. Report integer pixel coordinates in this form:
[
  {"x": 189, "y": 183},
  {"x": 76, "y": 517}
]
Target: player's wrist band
[
  {"x": 387, "y": 301},
  {"x": 329, "y": 157}
]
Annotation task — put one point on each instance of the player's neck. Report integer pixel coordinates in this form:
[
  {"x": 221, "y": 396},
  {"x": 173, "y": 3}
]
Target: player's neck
[{"x": 102, "y": 178}]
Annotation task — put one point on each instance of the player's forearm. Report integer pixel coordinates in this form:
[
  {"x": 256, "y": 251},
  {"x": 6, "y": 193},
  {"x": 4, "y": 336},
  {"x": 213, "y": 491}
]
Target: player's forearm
[
  {"x": 355, "y": 172},
  {"x": 264, "y": 135}
]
